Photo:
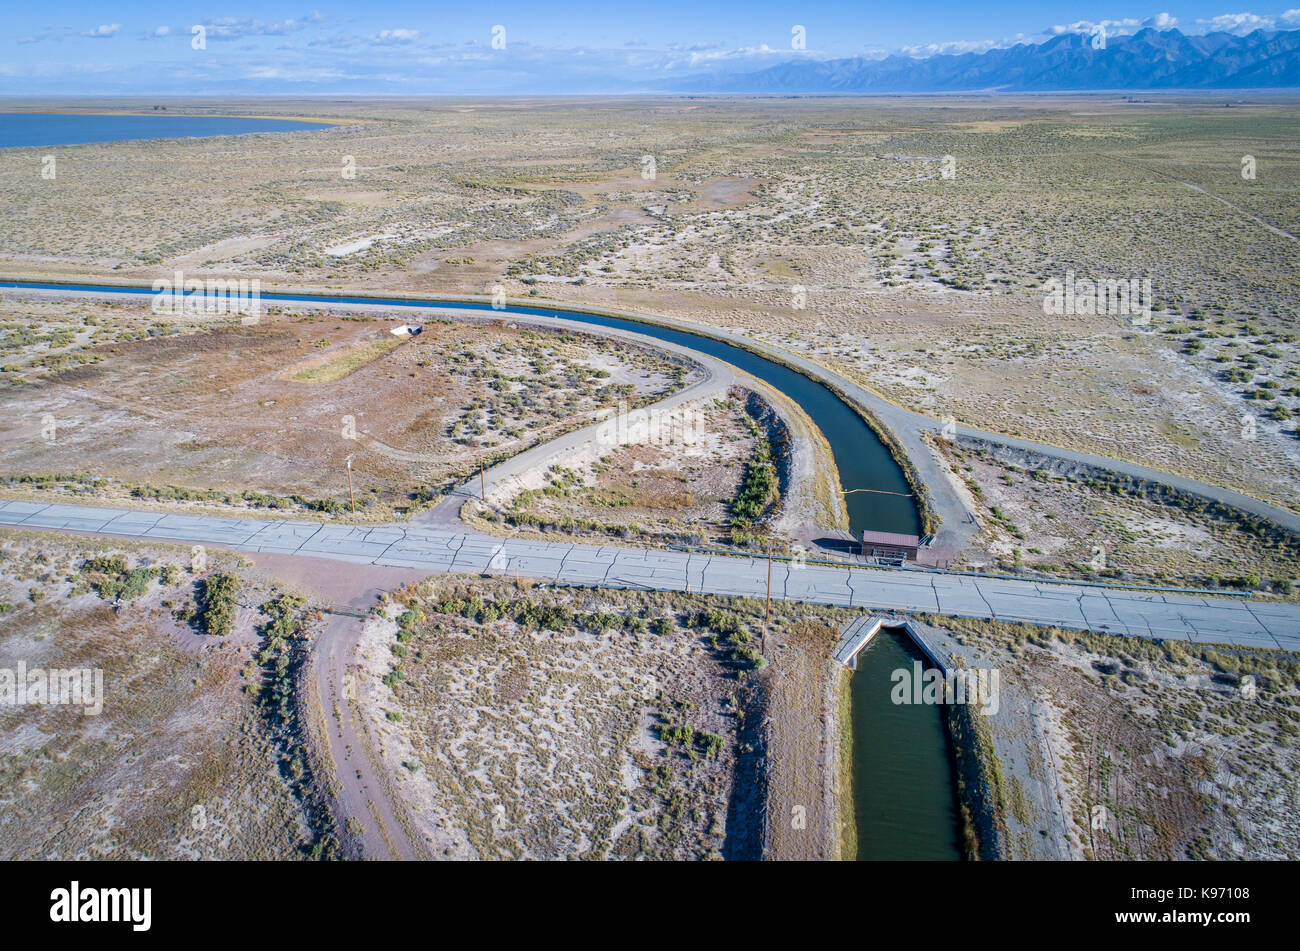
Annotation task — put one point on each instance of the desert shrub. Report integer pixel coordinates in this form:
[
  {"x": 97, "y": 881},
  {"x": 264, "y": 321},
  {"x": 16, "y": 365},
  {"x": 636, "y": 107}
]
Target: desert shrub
[
  {"x": 112, "y": 579},
  {"x": 218, "y": 595}
]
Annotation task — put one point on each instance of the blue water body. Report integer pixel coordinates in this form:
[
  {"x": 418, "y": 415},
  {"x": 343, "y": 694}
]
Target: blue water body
[
  {"x": 862, "y": 460},
  {"x": 19, "y": 129}
]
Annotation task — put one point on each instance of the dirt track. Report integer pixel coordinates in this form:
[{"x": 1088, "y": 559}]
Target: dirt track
[{"x": 359, "y": 788}]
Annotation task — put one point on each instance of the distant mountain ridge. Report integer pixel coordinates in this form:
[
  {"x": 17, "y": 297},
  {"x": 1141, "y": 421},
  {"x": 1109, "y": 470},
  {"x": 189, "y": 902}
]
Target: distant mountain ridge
[{"x": 1148, "y": 59}]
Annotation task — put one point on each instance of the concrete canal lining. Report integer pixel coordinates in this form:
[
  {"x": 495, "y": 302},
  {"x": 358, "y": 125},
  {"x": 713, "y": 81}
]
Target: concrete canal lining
[{"x": 859, "y": 632}]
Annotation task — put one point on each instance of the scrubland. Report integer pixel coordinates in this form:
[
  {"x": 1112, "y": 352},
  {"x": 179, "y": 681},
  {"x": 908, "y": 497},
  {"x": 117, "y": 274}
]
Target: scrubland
[
  {"x": 526, "y": 722},
  {"x": 825, "y": 225},
  {"x": 1119, "y": 748},
  {"x": 114, "y": 402},
  {"x": 194, "y": 754}
]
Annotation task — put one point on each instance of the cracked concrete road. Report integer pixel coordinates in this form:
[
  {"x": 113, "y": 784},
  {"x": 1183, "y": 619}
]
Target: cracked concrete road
[{"x": 436, "y": 550}]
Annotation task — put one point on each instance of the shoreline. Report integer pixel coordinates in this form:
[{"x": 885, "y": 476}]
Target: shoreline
[{"x": 174, "y": 115}]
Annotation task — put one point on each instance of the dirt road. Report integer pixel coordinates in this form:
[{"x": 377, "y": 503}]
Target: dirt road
[{"x": 366, "y": 811}]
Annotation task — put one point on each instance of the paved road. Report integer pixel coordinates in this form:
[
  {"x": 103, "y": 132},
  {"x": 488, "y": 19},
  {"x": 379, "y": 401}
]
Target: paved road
[{"x": 440, "y": 550}]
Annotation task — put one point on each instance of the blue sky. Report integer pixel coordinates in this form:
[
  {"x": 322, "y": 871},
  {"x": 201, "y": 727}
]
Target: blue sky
[{"x": 81, "y": 48}]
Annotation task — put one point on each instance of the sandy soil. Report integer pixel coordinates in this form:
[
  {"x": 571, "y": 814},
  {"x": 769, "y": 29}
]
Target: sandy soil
[
  {"x": 179, "y": 764},
  {"x": 1111, "y": 748},
  {"x": 1034, "y": 522},
  {"x": 231, "y": 409}
]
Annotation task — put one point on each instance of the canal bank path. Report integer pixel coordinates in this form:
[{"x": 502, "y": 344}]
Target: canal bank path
[{"x": 438, "y": 550}]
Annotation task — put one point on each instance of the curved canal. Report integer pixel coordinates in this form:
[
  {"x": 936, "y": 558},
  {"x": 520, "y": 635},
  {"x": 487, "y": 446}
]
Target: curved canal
[
  {"x": 903, "y": 784},
  {"x": 862, "y": 459}
]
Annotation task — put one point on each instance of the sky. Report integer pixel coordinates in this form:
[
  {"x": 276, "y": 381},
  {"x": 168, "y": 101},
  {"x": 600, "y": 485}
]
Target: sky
[{"x": 575, "y": 46}]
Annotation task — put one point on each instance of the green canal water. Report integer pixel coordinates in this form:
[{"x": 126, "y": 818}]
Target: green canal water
[{"x": 904, "y": 784}]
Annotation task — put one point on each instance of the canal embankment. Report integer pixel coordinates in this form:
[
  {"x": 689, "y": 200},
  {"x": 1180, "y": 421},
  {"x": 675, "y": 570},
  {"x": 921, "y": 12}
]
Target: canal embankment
[
  {"x": 1007, "y": 751},
  {"x": 917, "y": 778},
  {"x": 801, "y": 748}
]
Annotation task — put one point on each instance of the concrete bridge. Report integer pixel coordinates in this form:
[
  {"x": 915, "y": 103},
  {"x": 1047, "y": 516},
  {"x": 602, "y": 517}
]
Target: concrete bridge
[{"x": 859, "y": 632}]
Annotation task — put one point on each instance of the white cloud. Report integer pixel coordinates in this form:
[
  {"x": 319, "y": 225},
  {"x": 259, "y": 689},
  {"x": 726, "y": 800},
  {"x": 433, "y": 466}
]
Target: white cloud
[
  {"x": 957, "y": 47},
  {"x": 1239, "y": 23},
  {"x": 1112, "y": 27},
  {"x": 1123, "y": 27},
  {"x": 695, "y": 47},
  {"x": 103, "y": 31},
  {"x": 922, "y": 50},
  {"x": 235, "y": 28},
  {"x": 391, "y": 37},
  {"x": 709, "y": 53},
  {"x": 1290, "y": 16}
]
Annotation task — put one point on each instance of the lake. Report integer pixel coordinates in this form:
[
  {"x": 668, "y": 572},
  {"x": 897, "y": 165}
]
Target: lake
[{"x": 19, "y": 129}]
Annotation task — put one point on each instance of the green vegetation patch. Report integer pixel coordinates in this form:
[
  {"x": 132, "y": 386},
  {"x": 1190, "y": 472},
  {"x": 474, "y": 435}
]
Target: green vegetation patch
[
  {"x": 113, "y": 580},
  {"x": 758, "y": 494},
  {"x": 218, "y": 598},
  {"x": 341, "y": 366}
]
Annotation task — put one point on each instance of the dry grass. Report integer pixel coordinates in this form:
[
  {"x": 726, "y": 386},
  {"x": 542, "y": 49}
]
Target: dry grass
[
  {"x": 339, "y": 367},
  {"x": 179, "y": 765},
  {"x": 217, "y": 408},
  {"x": 671, "y": 491},
  {"x": 576, "y": 724},
  {"x": 1059, "y": 526},
  {"x": 1188, "y": 750}
]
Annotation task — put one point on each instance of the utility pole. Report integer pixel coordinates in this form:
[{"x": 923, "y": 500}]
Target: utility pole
[
  {"x": 482, "y": 486},
  {"x": 767, "y": 619},
  {"x": 351, "y": 496}
]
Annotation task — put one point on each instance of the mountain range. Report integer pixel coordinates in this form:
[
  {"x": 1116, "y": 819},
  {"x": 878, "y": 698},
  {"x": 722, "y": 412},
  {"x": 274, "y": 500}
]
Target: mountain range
[{"x": 1148, "y": 59}]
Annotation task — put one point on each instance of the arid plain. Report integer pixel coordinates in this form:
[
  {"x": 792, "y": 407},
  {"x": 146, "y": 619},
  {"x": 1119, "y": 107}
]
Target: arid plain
[{"x": 904, "y": 243}]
